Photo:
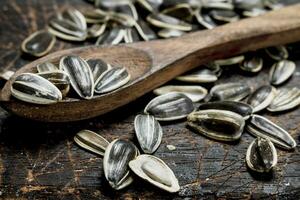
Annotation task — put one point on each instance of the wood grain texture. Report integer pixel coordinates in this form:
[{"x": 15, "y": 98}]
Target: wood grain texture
[
  {"x": 40, "y": 160},
  {"x": 158, "y": 62}
]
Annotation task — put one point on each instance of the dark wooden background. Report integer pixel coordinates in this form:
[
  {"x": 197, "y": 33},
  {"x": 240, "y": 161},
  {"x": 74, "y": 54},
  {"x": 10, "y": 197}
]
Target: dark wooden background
[{"x": 41, "y": 161}]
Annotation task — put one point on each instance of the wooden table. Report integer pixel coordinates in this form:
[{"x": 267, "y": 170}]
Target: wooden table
[{"x": 39, "y": 160}]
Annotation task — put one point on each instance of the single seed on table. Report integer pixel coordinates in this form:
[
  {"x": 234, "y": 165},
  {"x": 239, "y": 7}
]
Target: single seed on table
[
  {"x": 252, "y": 64},
  {"x": 262, "y": 127},
  {"x": 285, "y": 99},
  {"x": 262, "y": 98},
  {"x": 80, "y": 75},
  {"x": 33, "y": 88},
  {"x": 230, "y": 91},
  {"x": 112, "y": 79},
  {"x": 240, "y": 108},
  {"x": 198, "y": 76},
  {"x": 281, "y": 72},
  {"x": 39, "y": 43},
  {"x": 148, "y": 132},
  {"x": 195, "y": 93},
  {"x": 170, "y": 106},
  {"x": 91, "y": 141},
  {"x": 220, "y": 125},
  {"x": 261, "y": 155},
  {"x": 115, "y": 163},
  {"x": 155, "y": 171},
  {"x": 277, "y": 53}
]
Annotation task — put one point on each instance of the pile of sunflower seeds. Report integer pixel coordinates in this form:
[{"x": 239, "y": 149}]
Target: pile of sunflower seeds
[
  {"x": 222, "y": 116},
  {"x": 51, "y": 83},
  {"x": 117, "y": 21}
]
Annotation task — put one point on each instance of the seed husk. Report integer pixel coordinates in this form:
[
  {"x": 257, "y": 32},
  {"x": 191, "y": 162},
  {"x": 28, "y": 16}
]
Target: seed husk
[
  {"x": 150, "y": 5},
  {"x": 240, "y": 108},
  {"x": 93, "y": 16},
  {"x": 180, "y": 11},
  {"x": 198, "y": 76},
  {"x": 165, "y": 21},
  {"x": 230, "y": 61},
  {"x": 285, "y": 99},
  {"x": 59, "y": 78},
  {"x": 170, "y": 106},
  {"x": 145, "y": 30},
  {"x": 111, "y": 36},
  {"x": 155, "y": 171},
  {"x": 123, "y": 19},
  {"x": 115, "y": 163},
  {"x": 98, "y": 67},
  {"x": 252, "y": 64},
  {"x": 96, "y": 30},
  {"x": 281, "y": 71},
  {"x": 230, "y": 91},
  {"x": 261, "y": 155},
  {"x": 277, "y": 53},
  {"x": 262, "y": 127},
  {"x": 148, "y": 132},
  {"x": 46, "y": 67},
  {"x": 220, "y": 125},
  {"x": 205, "y": 20},
  {"x": 66, "y": 30},
  {"x": 169, "y": 33},
  {"x": 131, "y": 35},
  {"x": 262, "y": 98},
  {"x": 225, "y": 15},
  {"x": 75, "y": 17},
  {"x": 195, "y": 93},
  {"x": 91, "y": 141},
  {"x": 33, "y": 88},
  {"x": 112, "y": 79},
  {"x": 39, "y": 43},
  {"x": 80, "y": 75},
  {"x": 218, "y": 5}
]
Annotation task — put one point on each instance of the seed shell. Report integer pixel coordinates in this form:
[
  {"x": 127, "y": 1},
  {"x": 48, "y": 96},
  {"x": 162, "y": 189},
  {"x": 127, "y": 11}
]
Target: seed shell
[
  {"x": 281, "y": 71},
  {"x": 285, "y": 99},
  {"x": 165, "y": 21},
  {"x": 230, "y": 91},
  {"x": 148, "y": 132},
  {"x": 199, "y": 76},
  {"x": 98, "y": 67},
  {"x": 170, "y": 106},
  {"x": 155, "y": 171},
  {"x": 262, "y": 98},
  {"x": 46, "y": 67}
]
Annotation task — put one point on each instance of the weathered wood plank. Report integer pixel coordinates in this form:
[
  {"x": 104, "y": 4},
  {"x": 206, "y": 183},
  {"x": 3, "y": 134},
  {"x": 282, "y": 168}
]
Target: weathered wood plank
[{"x": 39, "y": 160}]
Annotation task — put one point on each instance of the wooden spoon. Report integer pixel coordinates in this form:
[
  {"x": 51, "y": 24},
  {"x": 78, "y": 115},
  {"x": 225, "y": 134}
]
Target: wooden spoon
[{"x": 153, "y": 63}]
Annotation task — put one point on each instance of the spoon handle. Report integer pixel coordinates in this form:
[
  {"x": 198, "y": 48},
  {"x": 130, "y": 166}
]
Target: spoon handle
[{"x": 274, "y": 28}]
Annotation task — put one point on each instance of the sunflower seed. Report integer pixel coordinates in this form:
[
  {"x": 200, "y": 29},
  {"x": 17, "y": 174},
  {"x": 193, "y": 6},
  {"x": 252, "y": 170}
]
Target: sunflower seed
[
  {"x": 96, "y": 30},
  {"x": 247, "y": 5},
  {"x": 148, "y": 132},
  {"x": 198, "y": 76},
  {"x": 111, "y": 36},
  {"x": 285, "y": 99},
  {"x": 131, "y": 35},
  {"x": 170, "y": 106},
  {"x": 195, "y": 93},
  {"x": 205, "y": 20},
  {"x": 262, "y": 98},
  {"x": 155, "y": 171},
  {"x": 262, "y": 127},
  {"x": 165, "y": 21},
  {"x": 220, "y": 125},
  {"x": 91, "y": 141},
  {"x": 252, "y": 64},
  {"x": 217, "y": 5},
  {"x": 38, "y": 43},
  {"x": 230, "y": 61},
  {"x": 115, "y": 163},
  {"x": 168, "y": 33},
  {"x": 98, "y": 67},
  {"x": 261, "y": 155},
  {"x": 180, "y": 11},
  {"x": 145, "y": 31},
  {"x": 123, "y": 19},
  {"x": 46, "y": 67},
  {"x": 80, "y": 75},
  {"x": 66, "y": 30},
  {"x": 230, "y": 91},
  {"x": 281, "y": 72},
  {"x": 240, "y": 108},
  {"x": 96, "y": 16},
  {"x": 59, "y": 78},
  {"x": 35, "y": 89},
  {"x": 74, "y": 16},
  {"x": 277, "y": 53},
  {"x": 112, "y": 79},
  {"x": 225, "y": 15},
  {"x": 150, "y": 5}
]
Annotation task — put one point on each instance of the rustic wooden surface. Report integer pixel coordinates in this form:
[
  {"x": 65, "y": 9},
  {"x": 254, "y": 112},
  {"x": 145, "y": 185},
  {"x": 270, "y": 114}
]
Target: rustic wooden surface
[{"x": 39, "y": 160}]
